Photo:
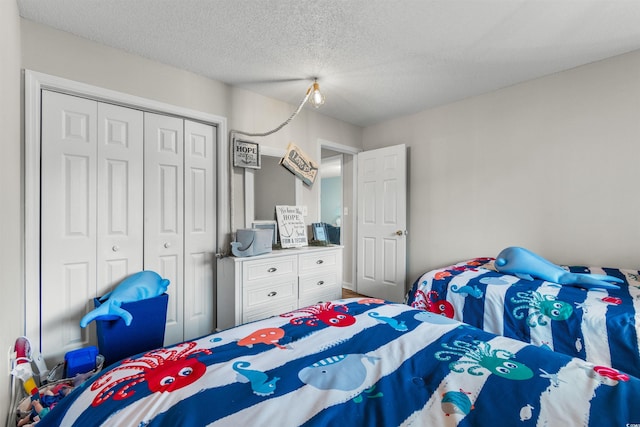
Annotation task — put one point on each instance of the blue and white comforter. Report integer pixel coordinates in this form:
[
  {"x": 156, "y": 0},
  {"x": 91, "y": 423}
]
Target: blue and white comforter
[
  {"x": 357, "y": 362},
  {"x": 597, "y": 325}
]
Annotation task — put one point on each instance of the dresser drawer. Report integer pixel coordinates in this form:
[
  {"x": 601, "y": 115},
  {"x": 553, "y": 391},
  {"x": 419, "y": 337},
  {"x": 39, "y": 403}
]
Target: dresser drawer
[
  {"x": 274, "y": 268},
  {"x": 318, "y": 261},
  {"x": 270, "y": 294},
  {"x": 319, "y": 282}
]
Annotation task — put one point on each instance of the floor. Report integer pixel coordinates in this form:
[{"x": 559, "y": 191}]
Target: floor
[{"x": 347, "y": 293}]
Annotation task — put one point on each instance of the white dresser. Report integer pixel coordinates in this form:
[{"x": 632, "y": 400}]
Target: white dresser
[{"x": 253, "y": 288}]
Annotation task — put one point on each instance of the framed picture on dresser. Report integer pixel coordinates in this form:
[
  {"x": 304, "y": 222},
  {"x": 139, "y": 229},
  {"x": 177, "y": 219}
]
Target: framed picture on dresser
[
  {"x": 320, "y": 232},
  {"x": 270, "y": 225}
]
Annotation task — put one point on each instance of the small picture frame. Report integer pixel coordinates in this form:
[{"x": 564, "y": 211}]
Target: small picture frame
[
  {"x": 320, "y": 232},
  {"x": 246, "y": 154},
  {"x": 269, "y": 225}
]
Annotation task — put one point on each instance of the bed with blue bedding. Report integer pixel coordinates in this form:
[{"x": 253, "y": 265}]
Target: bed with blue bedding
[
  {"x": 597, "y": 325},
  {"x": 354, "y": 362}
]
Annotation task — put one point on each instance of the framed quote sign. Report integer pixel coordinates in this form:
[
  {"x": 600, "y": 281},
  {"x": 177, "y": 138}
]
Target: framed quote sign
[
  {"x": 246, "y": 154},
  {"x": 293, "y": 231}
]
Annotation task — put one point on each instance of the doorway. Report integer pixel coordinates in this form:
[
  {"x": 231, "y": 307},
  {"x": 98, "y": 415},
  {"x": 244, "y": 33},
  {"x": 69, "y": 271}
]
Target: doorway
[{"x": 343, "y": 177}]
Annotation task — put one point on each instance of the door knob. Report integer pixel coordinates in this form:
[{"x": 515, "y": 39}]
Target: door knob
[
  {"x": 167, "y": 245},
  {"x": 115, "y": 248},
  {"x": 401, "y": 232}
]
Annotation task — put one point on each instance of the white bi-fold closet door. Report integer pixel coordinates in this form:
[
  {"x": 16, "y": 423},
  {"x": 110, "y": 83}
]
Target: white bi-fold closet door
[{"x": 123, "y": 190}]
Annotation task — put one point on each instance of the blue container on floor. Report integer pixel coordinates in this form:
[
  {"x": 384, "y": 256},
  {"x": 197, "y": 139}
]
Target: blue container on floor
[
  {"x": 80, "y": 361},
  {"x": 146, "y": 331}
]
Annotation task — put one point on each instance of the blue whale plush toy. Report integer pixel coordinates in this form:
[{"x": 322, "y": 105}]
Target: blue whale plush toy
[
  {"x": 138, "y": 286},
  {"x": 527, "y": 265}
]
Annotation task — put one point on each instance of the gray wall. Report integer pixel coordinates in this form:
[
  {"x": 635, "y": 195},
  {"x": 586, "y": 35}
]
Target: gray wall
[
  {"x": 550, "y": 164},
  {"x": 11, "y": 278}
]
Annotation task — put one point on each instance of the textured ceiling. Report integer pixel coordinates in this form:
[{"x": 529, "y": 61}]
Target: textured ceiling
[{"x": 375, "y": 59}]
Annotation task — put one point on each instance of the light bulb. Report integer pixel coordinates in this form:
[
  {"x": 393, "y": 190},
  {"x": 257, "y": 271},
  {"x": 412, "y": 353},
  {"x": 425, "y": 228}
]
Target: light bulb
[{"x": 316, "y": 98}]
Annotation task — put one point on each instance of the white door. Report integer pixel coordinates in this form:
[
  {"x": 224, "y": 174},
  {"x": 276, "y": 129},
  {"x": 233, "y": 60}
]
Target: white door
[
  {"x": 163, "y": 211},
  {"x": 89, "y": 239},
  {"x": 119, "y": 194},
  {"x": 381, "y": 265},
  {"x": 199, "y": 227}
]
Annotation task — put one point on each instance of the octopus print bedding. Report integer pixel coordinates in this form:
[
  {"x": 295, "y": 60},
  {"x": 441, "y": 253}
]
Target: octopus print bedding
[
  {"x": 594, "y": 324},
  {"x": 357, "y": 362}
]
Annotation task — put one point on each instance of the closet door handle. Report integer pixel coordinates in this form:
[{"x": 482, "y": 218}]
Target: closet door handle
[
  {"x": 319, "y": 261},
  {"x": 272, "y": 294},
  {"x": 272, "y": 270},
  {"x": 115, "y": 248},
  {"x": 167, "y": 245}
]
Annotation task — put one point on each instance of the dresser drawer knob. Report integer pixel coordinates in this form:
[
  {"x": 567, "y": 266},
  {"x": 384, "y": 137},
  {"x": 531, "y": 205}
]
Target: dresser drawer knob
[
  {"x": 319, "y": 261},
  {"x": 272, "y": 294},
  {"x": 272, "y": 270},
  {"x": 320, "y": 283}
]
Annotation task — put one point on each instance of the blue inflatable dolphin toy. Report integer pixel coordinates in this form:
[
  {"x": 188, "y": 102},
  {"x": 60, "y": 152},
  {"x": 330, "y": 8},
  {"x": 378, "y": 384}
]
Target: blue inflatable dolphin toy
[
  {"x": 527, "y": 265},
  {"x": 139, "y": 286}
]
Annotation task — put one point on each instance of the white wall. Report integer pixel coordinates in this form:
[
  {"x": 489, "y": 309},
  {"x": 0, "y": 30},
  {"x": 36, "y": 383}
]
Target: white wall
[
  {"x": 11, "y": 282},
  {"x": 64, "y": 55},
  {"x": 551, "y": 164}
]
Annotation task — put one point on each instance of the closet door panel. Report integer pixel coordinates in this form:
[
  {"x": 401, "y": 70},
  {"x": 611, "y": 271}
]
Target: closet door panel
[
  {"x": 199, "y": 228},
  {"x": 163, "y": 207},
  {"x": 68, "y": 223},
  {"x": 120, "y": 195}
]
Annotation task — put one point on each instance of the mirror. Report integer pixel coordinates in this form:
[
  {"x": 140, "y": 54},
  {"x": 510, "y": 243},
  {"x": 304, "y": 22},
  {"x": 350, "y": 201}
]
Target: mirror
[{"x": 269, "y": 186}]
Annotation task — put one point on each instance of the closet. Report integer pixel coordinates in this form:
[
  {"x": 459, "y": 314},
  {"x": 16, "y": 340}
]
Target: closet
[{"x": 123, "y": 190}]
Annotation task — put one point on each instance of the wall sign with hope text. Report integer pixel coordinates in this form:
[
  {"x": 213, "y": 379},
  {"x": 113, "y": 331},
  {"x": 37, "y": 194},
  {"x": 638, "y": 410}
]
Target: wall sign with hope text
[
  {"x": 293, "y": 231},
  {"x": 246, "y": 154}
]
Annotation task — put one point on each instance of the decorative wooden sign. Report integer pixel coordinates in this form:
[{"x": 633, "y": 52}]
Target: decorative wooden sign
[
  {"x": 296, "y": 161},
  {"x": 246, "y": 154},
  {"x": 293, "y": 231}
]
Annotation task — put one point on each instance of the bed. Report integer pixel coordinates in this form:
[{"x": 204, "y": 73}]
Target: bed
[
  {"x": 353, "y": 362},
  {"x": 597, "y": 325}
]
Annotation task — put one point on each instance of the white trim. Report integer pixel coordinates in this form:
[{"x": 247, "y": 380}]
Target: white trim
[
  {"x": 340, "y": 148},
  {"x": 34, "y": 83},
  {"x": 346, "y": 149}
]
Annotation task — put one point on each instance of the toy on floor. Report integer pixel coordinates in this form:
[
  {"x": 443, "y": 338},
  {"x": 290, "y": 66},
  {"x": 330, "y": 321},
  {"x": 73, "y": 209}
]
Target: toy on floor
[
  {"x": 527, "y": 265},
  {"x": 39, "y": 405},
  {"x": 139, "y": 286}
]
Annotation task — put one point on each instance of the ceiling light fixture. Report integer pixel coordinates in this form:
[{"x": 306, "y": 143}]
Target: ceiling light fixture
[{"x": 316, "y": 98}]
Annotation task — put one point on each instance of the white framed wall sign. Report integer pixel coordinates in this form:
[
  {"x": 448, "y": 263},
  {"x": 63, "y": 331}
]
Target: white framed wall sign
[
  {"x": 246, "y": 154},
  {"x": 293, "y": 230}
]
